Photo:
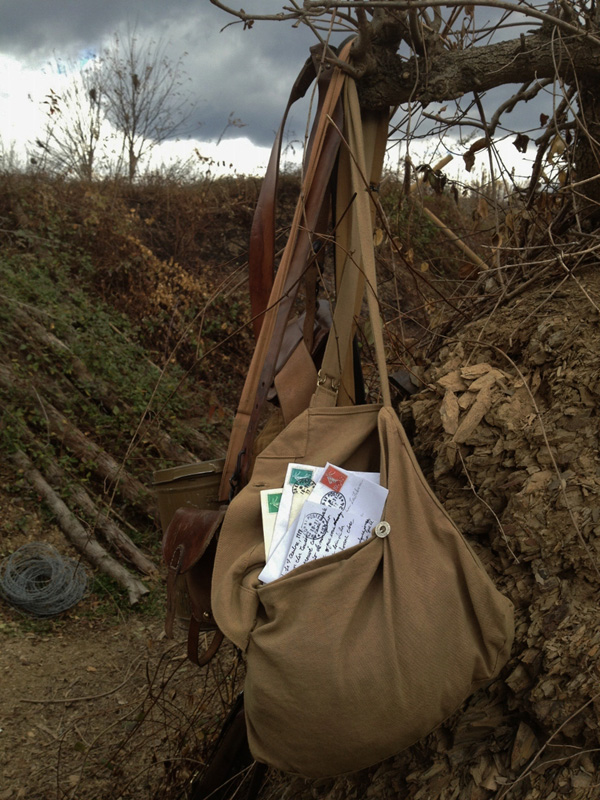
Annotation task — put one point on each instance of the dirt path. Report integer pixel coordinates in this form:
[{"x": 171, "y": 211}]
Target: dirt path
[
  {"x": 67, "y": 687},
  {"x": 97, "y": 703},
  {"x": 98, "y": 711}
]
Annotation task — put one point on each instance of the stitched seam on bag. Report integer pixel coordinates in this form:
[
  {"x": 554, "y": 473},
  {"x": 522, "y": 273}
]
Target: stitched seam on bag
[
  {"x": 505, "y": 640},
  {"x": 344, "y": 410},
  {"x": 248, "y": 568}
]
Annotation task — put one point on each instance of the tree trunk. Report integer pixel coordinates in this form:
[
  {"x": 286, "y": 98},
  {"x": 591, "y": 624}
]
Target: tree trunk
[
  {"x": 587, "y": 153},
  {"x": 449, "y": 74}
]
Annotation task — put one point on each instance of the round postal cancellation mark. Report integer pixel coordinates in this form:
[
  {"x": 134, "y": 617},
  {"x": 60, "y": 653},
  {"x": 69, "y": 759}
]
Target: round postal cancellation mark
[
  {"x": 334, "y": 500},
  {"x": 314, "y": 526}
]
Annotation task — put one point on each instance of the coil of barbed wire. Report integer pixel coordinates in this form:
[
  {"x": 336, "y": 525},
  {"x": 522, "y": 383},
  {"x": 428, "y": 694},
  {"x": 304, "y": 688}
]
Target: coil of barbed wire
[{"x": 38, "y": 580}]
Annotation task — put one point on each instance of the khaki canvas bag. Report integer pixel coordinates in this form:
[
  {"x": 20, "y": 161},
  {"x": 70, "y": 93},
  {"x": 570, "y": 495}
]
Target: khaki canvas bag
[{"x": 353, "y": 657}]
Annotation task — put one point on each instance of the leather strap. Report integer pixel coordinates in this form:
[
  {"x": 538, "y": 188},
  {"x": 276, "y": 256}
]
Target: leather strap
[
  {"x": 189, "y": 547},
  {"x": 261, "y": 252},
  {"x": 193, "y": 653},
  {"x": 323, "y": 153}
]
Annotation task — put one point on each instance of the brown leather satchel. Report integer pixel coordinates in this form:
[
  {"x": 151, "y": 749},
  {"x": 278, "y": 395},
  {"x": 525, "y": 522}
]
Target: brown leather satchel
[{"x": 188, "y": 549}]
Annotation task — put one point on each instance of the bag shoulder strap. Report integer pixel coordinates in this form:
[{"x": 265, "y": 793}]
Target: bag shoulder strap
[
  {"x": 261, "y": 252},
  {"x": 320, "y": 163},
  {"x": 365, "y": 149}
]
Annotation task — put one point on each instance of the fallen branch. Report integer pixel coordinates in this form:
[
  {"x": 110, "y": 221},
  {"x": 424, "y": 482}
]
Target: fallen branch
[
  {"x": 455, "y": 240},
  {"x": 85, "y": 449},
  {"x": 103, "y": 463},
  {"x": 100, "y": 521},
  {"x": 89, "y": 548}
]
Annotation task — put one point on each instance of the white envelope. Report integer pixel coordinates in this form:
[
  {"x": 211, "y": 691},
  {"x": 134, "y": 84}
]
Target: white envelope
[
  {"x": 349, "y": 491},
  {"x": 269, "y": 506},
  {"x": 299, "y": 482},
  {"x": 323, "y": 530}
]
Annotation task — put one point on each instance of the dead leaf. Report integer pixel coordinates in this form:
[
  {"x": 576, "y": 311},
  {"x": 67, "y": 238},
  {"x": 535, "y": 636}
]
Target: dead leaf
[
  {"x": 469, "y": 156},
  {"x": 557, "y": 148},
  {"x": 544, "y": 119},
  {"x": 474, "y": 415},
  {"x": 474, "y": 371},
  {"x": 525, "y": 746},
  {"x": 453, "y": 381},
  {"x": 521, "y": 142},
  {"x": 449, "y": 412},
  {"x": 489, "y": 379},
  {"x": 377, "y": 237}
]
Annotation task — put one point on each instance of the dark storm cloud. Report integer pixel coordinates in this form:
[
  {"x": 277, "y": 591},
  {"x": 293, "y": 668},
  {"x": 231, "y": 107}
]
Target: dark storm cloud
[{"x": 244, "y": 73}]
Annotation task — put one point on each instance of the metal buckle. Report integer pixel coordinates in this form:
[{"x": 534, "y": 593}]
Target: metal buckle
[{"x": 322, "y": 380}]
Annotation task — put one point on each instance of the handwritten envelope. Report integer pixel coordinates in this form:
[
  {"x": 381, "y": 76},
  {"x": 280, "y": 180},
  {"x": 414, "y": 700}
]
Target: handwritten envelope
[
  {"x": 349, "y": 491},
  {"x": 323, "y": 530}
]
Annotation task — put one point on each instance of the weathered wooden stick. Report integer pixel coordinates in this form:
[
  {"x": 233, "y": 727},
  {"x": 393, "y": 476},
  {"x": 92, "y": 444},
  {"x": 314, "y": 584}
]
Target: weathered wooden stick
[
  {"x": 104, "y": 464},
  {"x": 104, "y": 524},
  {"x": 86, "y": 449},
  {"x": 116, "y": 537},
  {"x": 448, "y": 233},
  {"x": 75, "y": 532},
  {"x": 456, "y": 240}
]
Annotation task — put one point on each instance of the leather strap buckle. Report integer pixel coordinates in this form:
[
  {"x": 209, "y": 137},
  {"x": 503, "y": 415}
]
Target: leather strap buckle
[{"x": 323, "y": 379}]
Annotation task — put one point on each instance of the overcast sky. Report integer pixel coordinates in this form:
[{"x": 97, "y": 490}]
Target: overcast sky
[
  {"x": 244, "y": 73},
  {"x": 247, "y": 73}
]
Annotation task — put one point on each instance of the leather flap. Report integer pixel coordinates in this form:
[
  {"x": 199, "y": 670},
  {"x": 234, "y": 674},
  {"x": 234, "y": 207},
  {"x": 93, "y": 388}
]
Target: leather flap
[{"x": 188, "y": 535}]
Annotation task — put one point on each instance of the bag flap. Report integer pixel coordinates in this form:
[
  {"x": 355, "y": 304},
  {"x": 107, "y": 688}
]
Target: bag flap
[{"x": 188, "y": 535}]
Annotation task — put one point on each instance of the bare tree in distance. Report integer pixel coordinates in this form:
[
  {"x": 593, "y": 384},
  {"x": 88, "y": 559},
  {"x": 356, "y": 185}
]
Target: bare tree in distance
[
  {"x": 75, "y": 139},
  {"x": 145, "y": 95},
  {"x": 434, "y": 61}
]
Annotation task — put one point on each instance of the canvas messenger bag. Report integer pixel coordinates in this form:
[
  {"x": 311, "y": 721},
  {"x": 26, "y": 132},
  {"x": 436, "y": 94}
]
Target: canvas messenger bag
[{"x": 355, "y": 656}]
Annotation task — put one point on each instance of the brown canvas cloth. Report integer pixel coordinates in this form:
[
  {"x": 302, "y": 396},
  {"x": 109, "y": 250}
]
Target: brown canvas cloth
[{"x": 353, "y": 657}]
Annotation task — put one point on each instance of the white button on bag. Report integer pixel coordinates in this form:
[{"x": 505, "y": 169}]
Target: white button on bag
[{"x": 382, "y": 529}]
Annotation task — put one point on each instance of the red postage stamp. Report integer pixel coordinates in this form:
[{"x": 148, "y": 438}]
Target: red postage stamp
[{"x": 334, "y": 478}]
